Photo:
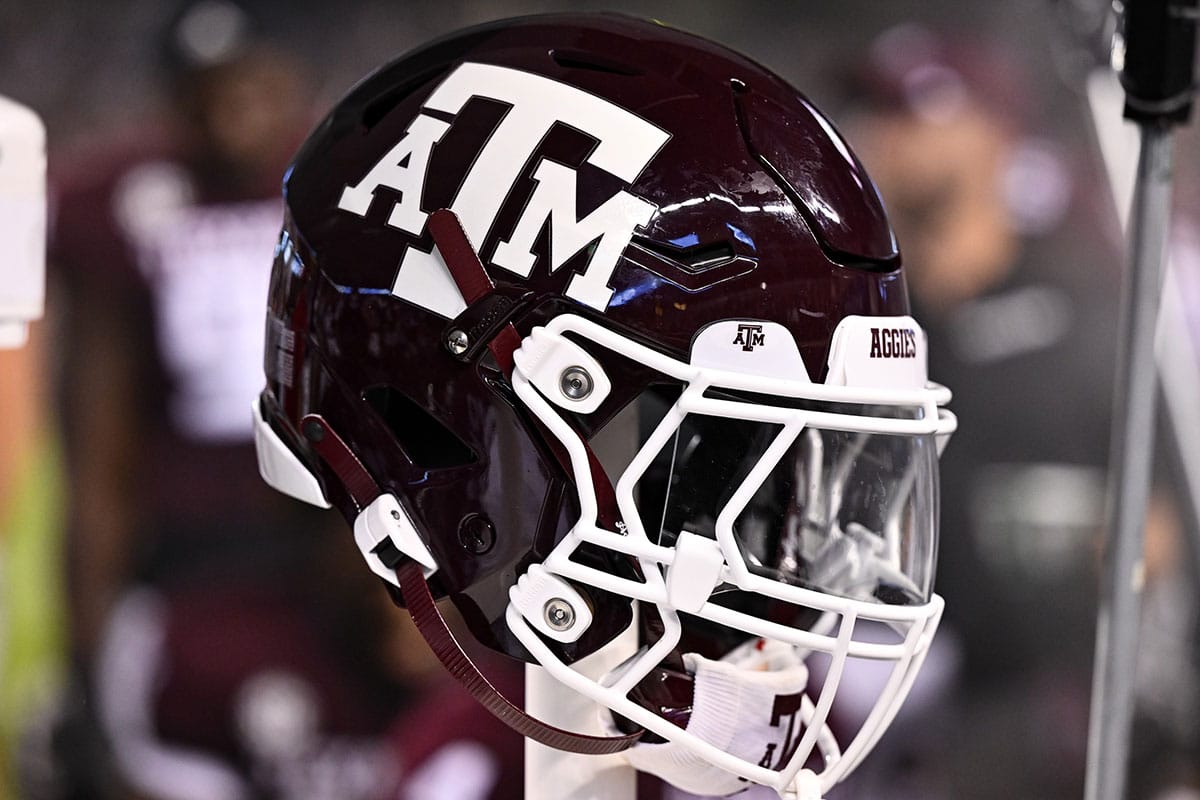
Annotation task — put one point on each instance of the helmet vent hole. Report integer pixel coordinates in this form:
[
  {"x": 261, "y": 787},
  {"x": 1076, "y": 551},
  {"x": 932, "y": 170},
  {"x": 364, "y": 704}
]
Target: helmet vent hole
[
  {"x": 424, "y": 439},
  {"x": 693, "y": 259},
  {"x": 379, "y": 107},
  {"x": 577, "y": 59}
]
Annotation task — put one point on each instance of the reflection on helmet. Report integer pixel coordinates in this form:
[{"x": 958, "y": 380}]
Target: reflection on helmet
[{"x": 653, "y": 242}]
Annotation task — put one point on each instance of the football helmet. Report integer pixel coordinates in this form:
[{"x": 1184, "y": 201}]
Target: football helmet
[{"x": 574, "y": 311}]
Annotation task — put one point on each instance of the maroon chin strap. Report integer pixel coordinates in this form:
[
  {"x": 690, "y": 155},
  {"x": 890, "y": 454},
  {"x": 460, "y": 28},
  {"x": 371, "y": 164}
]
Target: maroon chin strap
[
  {"x": 473, "y": 282},
  {"x": 432, "y": 625},
  {"x": 429, "y": 621},
  {"x": 471, "y": 278}
]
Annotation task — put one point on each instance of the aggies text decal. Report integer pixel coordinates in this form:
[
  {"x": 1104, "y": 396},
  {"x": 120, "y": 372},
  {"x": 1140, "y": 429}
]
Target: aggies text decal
[
  {"x": 625, "y": 145},
  {"x": 893, "y": 343}
]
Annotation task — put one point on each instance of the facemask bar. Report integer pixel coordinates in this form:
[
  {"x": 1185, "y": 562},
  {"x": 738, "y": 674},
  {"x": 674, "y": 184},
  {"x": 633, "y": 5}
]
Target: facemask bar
[{"x": 919, "y": 621}]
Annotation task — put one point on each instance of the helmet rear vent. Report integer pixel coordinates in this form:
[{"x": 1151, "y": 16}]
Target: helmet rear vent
[
  {"x": 424, "y": 439},
  {"x": 578, "y": 59},
  {"x": 800, "y": 150},
  {"x": 380, "y": 106}
]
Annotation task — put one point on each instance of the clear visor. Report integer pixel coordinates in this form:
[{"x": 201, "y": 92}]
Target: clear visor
[{"x": 843, "y": 512}]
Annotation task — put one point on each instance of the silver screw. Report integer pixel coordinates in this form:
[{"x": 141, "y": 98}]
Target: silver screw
[
  {"x": 559, "y": 614},
  {"x": 575, "y": 383},
  {"x": 457, "y": 342}
]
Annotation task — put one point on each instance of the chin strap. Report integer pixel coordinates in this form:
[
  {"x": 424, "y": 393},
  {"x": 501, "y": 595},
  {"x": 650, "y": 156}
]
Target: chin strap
[
  {"x": 474, "y": 284},
  {"x": 432, "y": 625},
  {"x": 471, "y": 278},
  {"x": 429, "y": 621}
]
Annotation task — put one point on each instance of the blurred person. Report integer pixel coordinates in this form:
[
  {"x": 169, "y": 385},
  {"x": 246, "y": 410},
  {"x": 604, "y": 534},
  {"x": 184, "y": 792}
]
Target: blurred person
[
  {"x": 19, "y": 404},
  {"x": 31, "y": 606},
  {"x": 1019, "y": 293},
  {"x": 229, "y": 643},
  {"x": 1165, "y": 748}
]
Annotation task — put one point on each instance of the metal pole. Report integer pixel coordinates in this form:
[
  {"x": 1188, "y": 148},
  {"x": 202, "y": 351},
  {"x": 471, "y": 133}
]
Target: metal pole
[{"x": 1129, "y": 476}]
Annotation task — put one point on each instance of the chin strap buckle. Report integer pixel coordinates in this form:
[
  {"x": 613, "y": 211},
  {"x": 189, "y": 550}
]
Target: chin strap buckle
[
  {"x": 432, "y": 626},
  {"x": 385, "y": 534},
  {"x": 392, "y": 540}
]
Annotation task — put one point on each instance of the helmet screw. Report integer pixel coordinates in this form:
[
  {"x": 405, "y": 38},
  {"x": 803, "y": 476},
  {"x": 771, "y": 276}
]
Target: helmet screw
[
  {"x": 457, "y": 342},
  {"x": 476, "y": 534},
  {"x": 314, "y": 431},
  {"x": 559, "y": 614},
  {"x": 575, "y": 383}
]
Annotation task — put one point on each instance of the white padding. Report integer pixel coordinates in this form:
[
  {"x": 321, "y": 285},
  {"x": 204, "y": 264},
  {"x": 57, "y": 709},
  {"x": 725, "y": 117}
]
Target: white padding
[
  {"x": 386, "y": 519},
  {"x": 694, "y": 573},
  {"x": 736, "y": 708},
  {"x": 280, "y": 467},
  {"x": 886, "y": 352},
  {"x": 754, "y": 347}
]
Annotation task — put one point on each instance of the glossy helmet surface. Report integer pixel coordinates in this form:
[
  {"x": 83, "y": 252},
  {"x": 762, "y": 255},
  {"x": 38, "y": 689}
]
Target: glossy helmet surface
[{"x": 671, "y": 228}]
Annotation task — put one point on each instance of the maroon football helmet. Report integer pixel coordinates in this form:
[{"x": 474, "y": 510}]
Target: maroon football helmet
[{"x": 572, "y": 311}]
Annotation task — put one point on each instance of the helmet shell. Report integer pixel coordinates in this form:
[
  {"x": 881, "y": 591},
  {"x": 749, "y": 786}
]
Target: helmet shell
[{"x": 759, "y": 211}]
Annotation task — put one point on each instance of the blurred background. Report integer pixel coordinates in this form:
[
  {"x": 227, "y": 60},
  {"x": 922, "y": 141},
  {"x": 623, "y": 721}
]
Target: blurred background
[{"x": 170, "y": 628}]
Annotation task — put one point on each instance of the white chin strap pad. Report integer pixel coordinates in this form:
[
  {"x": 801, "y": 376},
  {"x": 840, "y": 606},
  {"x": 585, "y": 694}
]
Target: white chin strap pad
[{"x": 747, "y": 704}]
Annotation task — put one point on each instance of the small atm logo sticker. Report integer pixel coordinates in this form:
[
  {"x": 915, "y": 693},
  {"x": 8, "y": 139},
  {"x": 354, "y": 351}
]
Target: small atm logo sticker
[
  {"x": 749, "y": 337},
  {"x": 893, "y": 343}
]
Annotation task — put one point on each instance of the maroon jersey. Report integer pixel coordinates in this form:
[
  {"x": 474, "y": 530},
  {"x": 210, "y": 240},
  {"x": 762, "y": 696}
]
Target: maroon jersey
[
  {"x": 251, "y": 669},
  {"x": 447, "y": 749},
  {"x": 242, "y": 693},
  {"x": 179, "y": 256}
]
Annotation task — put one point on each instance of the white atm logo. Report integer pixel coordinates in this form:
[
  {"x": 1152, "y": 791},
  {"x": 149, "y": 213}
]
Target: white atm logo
[{"x": 625, "y": 145}]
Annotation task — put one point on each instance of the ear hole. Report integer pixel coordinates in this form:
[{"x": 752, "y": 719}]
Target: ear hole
[{"x": 424, "y": 439}]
